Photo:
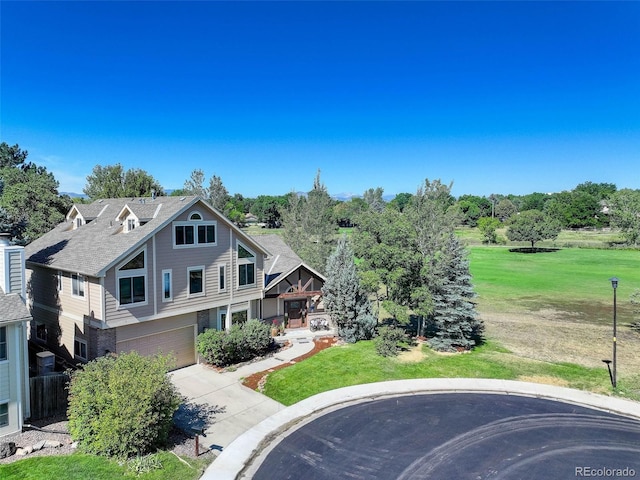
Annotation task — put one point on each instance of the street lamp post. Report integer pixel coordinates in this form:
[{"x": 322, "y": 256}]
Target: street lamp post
[{"x": 614, "y": 284}]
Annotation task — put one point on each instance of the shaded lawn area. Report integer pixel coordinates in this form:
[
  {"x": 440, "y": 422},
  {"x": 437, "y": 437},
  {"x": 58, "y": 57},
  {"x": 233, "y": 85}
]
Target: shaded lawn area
[
  {"x": 82, "y": 467},
  {"x": 358, "y": 363}
]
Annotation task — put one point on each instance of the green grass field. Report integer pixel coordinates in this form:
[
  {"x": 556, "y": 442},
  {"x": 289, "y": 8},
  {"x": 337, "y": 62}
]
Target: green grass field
[{"x": 574, "y": 280}]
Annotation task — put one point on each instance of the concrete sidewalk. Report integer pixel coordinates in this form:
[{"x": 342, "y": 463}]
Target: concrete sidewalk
[{"x": 235, "y": 407}]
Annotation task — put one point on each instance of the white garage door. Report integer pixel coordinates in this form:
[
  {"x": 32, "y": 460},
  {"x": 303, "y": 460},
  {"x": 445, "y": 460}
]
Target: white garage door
[{"x": 179, "y": 342}]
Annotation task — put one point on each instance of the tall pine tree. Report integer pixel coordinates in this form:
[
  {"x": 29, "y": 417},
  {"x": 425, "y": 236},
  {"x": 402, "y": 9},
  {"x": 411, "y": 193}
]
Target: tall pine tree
[
  {"x": 344, "y": 298},
  {"x": 453, "y": 321}
]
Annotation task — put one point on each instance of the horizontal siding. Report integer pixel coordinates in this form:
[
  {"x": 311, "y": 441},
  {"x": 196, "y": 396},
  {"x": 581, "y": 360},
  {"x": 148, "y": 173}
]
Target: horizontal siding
[
  {"x": 42, "y": 284},
  {"x": 131, "y": 312}
]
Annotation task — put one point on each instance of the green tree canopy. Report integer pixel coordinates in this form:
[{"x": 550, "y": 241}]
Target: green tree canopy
[
  {"x": 624, "y": 210},
  {"x": 29, "y": 196},
  {"x": 309, "y": 226},
  {"x": 532, "y": 226},
  {"x": 112, "y": 181}
]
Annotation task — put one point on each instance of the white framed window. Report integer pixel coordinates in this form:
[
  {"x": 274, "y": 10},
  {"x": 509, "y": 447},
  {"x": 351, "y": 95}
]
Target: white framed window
[
  {"x": 194, "y": 232},
  {"x": 222, "y": 278},
  {"x": 3, "y": 343},
  {"x": 77, "y": 285},
  {"x": 246, "y": 266},
  {"x": 132, "y": 280},
  {"x": 130, "y": 224},
  {"x": 41, "y": 331},
  {"x": 195, "y": 279},
  {"x": 4, "y": 414},
  {"x": 80, "y": 349},
  {"x": 59, "y": 281},
  {"x": 167, "y": 285}
]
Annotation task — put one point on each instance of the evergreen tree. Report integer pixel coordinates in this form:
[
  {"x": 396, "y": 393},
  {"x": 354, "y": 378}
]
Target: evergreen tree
[
  {"x": 344, "y": 298},
  {"x": 453, "y": 319},
  {"x": 218, "y": 194}
]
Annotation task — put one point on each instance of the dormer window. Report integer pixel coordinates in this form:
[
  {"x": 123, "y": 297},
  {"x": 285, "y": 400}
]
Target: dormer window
[
  {"x": 129, "y": 224},
  {"x": 194, "y": 232},
  {"x": 78, "y": 222}
]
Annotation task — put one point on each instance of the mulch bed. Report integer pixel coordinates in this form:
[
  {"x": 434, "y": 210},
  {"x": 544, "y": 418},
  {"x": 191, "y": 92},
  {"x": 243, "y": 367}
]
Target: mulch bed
[{"x": 254, "y": 381}]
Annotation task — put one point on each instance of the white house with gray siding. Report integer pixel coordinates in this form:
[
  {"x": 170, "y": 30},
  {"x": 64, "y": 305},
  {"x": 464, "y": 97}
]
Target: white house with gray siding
[
  {"x": 14, "y": 357},
  {"x": 145, "y": 274}
]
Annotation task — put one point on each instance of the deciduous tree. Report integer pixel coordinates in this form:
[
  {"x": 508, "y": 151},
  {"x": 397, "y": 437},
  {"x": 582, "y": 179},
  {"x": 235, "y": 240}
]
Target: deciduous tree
[
  {"x": 113, "y": 181},
  {"x": 624, "y": 209},
  {"x": 532, "y": 226},
  {"x": 309, "y": 225}
]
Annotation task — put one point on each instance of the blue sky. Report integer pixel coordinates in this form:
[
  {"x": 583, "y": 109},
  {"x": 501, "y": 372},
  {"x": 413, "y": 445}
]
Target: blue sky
[{"x": 498, "y": 97}]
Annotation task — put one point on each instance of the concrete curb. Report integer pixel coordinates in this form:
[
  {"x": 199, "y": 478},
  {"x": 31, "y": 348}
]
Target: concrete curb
[{"x": 243, "y": 455}]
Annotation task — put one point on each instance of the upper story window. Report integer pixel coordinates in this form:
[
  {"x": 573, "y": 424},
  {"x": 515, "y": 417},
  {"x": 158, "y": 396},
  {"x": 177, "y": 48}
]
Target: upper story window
[
  {"x": 132, "y": 280},
  {"x": 246, "y": 266},
  {"x": 167, "y": 286},
  {"x": 129, "y": 224},
  {"x": 196, "y": 281},
  {"x": 78, "y": 222},
  {"x": 194, "y": 232},
  {"x": 59, "y": 281},
  {"x": 77, "y": 285},
  {"x": 3, "y": 343},
  {"x": 222, "y": 278}
]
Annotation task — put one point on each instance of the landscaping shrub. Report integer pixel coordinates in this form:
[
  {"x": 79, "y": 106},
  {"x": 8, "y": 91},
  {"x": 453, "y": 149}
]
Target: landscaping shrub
[
  {"x": 122, "y": 405},
  {"x": 240, "y": 343},
  {"x": 389, "y": 341},
  {"x": 257, "y": 336}
]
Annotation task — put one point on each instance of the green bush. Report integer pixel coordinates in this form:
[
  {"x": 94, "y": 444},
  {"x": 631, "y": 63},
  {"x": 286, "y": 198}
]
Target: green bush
[
  {"x": 240, "y": 343},
  {"x": 122, "y": 405},
  {"x": 211, "y": 345},
  {"x": 389, "y": 341},
  {"x": 257, "y": 336}
]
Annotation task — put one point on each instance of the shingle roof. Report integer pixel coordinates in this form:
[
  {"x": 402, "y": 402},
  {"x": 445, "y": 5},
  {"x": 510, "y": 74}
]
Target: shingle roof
[
  {"x": 12, "y": 308},
  {"x": 282, "y": 261},
  {"x": 93, "y": 248}
]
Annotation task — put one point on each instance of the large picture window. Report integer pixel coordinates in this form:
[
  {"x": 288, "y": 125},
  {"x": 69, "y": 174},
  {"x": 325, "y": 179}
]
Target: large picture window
[
  {"x": 132, "y": 281},
  {"x": 246, "y": 266}
]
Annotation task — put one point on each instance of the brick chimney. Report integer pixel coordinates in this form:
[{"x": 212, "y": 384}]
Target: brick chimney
[{"x": 11, "y": 267}]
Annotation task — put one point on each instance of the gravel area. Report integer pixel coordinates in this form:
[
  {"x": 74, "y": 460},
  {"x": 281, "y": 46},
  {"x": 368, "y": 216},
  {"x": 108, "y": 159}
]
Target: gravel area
[{"x": 56, "y": 429}]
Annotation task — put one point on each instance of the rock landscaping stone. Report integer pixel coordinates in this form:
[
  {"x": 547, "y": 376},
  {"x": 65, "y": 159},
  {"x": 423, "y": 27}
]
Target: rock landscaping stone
[
  {"x": 52, "y": 444},
  {"x": 39, "y": 445},
  {"x": 7, "y": 449}
]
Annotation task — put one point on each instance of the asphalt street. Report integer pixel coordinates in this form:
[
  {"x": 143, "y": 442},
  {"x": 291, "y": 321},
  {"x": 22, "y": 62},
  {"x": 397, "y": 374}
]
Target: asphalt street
[{"x": 458, "y": 436}]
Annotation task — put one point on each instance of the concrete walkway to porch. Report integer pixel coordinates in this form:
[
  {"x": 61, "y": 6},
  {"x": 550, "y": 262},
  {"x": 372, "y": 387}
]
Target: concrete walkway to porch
[{"x": 236, "y": 408}]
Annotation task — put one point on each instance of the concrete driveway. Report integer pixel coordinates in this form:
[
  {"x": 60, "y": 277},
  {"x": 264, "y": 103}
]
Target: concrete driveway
[{"x": 233, "y": 408}]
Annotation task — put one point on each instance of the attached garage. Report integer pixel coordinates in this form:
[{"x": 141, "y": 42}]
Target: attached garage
[{"x": 179, "y": 341}]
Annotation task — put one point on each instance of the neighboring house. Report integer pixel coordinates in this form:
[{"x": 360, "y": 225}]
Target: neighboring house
[
  {"x": 14, "y": 356},
  {"x": 292, "y": 288},
  {"x": 145, "y": 274}
]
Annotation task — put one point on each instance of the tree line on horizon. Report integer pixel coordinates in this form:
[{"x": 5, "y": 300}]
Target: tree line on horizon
[{"x": 30, "y": 204}]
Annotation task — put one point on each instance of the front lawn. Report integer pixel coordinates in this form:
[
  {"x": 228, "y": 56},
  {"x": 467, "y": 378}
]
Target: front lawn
[
  {"x": 82, "y": 467},
  {"x": 355, "y": 364}
]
